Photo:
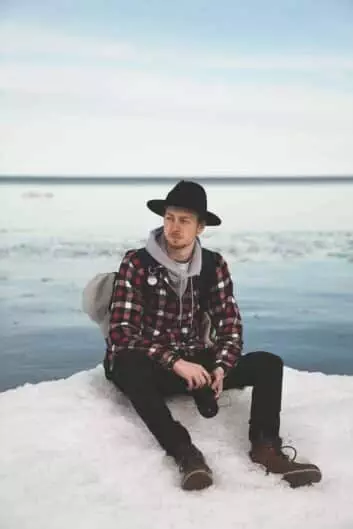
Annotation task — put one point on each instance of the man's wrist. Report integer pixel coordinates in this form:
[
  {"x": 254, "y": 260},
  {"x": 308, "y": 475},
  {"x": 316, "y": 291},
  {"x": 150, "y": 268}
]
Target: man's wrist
[
  {"x": 219, "y": 369},
  {"x": 223, "y": 366},
  {"x": 172, "y": 360}
]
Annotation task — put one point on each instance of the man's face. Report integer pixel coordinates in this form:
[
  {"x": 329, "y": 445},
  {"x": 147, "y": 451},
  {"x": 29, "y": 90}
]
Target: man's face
[{"x": 181, "y": 227}]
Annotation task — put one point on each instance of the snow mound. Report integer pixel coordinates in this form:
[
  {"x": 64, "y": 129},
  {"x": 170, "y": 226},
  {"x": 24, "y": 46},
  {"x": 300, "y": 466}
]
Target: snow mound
[{"x": 75, "y": 455}]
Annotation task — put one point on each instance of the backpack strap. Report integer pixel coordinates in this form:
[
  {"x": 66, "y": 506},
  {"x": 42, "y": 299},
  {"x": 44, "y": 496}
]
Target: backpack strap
[
  {"x": 146, "y": 258},
  {"x": 207, "y": 277}
]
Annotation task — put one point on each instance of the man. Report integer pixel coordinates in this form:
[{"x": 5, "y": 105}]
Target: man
[{"x": 156, "y": 347}]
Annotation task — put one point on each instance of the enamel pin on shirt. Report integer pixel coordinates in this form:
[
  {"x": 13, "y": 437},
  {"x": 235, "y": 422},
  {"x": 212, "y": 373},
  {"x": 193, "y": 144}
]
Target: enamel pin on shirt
[{"x": 152, "y": 280}]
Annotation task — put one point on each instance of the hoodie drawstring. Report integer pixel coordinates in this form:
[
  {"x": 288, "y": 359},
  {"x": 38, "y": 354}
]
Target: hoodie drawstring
[
  {"x": 181, "y": 301},
  {"x": 192, "y": 301}
]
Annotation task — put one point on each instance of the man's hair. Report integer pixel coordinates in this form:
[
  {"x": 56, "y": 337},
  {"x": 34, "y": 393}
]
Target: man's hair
[{"x": 200, "y": 219}]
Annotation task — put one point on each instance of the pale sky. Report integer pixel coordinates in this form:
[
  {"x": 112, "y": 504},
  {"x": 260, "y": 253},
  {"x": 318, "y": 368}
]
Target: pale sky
[{"x": 194, "y": 87}]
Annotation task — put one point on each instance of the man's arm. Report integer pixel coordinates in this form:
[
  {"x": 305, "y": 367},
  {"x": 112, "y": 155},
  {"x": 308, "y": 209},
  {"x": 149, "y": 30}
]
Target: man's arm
[
  {"x": 127, "y": 308},
  {"x": 225, "y": 318}
]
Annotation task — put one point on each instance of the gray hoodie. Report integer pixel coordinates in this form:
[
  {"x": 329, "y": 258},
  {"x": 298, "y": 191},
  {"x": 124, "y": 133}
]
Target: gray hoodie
[{"x": 179, "y": 277}]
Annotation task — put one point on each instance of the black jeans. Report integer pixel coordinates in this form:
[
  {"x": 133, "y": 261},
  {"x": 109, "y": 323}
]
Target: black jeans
[{"x": 146, "y": 384}]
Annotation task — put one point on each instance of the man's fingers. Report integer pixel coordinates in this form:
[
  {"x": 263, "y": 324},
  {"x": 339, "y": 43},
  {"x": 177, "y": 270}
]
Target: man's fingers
[
  {"x": 201, "y": 380},
  {"x": 207, "y": 376},
  {"x": 215, "y": 383},
  {"x": 217, "y": 387},
  {"x": 195, "y": 382}
]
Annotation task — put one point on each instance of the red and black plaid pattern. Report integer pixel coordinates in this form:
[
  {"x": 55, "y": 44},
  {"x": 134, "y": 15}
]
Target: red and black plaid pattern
[{"x": 151, "y": 317}]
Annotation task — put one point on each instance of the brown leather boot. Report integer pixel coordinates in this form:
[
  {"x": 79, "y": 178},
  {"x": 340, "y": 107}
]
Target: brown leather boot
[
  {"x": 196, "y": 474},
  {"x": 275, "y": 461}
]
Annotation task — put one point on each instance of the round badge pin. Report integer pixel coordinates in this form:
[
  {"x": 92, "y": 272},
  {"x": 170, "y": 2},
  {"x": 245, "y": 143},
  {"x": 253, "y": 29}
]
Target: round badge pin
[{"x": 152, "y": 280}]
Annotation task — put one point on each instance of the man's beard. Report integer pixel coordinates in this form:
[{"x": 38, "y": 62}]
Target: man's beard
[{"x": 177, "y": 246}]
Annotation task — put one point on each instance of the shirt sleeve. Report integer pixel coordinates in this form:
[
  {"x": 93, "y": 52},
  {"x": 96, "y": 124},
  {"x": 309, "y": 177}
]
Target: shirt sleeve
[
  {"x": 126, "y": 320},
  {"x": 225, "y": 317}
]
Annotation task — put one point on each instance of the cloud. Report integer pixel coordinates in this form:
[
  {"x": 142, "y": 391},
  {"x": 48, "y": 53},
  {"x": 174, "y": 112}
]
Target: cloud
[
  {"x": 142, "y": 93},
  {"x": 77, "y": 113},
  {"x": 54, "y": 144},
  {"x": 39, "y": 43}
]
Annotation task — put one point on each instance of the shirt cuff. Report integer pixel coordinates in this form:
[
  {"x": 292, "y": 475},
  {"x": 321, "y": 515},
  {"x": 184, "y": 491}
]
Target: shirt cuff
[{"x": 171, "y": 361}]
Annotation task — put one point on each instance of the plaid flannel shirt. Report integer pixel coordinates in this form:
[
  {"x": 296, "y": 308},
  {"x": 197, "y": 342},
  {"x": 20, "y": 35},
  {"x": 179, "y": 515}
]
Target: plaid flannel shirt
[{"x": 148, "y": 317}]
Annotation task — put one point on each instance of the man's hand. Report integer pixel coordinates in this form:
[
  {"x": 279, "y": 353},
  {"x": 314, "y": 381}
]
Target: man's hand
[
  {"x": 195, "y": 375},
  {"x": 217, "y": 384}
]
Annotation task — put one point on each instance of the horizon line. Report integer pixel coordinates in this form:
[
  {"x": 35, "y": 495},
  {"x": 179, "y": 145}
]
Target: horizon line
[{"x": 212, "y": 179}]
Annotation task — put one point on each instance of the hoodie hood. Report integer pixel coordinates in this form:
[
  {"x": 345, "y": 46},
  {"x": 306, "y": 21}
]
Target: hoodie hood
[
  {"x": 156, "y": 246},
  {"x": 178, "y": 275}
]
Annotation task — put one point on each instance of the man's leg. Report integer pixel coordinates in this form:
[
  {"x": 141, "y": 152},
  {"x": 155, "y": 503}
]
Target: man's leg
[
  {"x": 264, "y": 371},
  {"x": 146, "y": 384},
  {"x": 138, "y": 378}
]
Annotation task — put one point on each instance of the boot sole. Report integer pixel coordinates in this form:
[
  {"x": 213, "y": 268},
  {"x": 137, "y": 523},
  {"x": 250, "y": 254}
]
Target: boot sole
[
  {"x": 197, "y": 480},
  {"x": 300, "y": 478}
]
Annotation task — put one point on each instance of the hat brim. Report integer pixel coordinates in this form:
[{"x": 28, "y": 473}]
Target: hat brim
[{"x": 158, "y": 206}]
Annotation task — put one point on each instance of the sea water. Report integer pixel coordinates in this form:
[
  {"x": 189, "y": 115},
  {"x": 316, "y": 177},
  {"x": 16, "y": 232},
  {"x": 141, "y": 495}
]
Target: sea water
[{"x": 289, "y": 247}]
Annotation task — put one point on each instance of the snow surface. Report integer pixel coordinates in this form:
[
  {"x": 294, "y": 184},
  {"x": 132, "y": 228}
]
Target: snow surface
[{"x": 75, "y": 455}]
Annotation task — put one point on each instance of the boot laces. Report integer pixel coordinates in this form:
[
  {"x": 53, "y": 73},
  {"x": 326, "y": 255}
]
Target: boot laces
[{"x": 279, "y": 452}]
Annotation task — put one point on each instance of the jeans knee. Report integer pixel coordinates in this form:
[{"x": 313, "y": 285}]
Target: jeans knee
[{"x": 270, "y": 360}]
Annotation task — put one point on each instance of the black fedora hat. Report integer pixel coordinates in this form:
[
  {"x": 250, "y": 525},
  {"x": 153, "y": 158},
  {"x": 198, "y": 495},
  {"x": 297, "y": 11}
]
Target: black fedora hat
[{"x": 187, "y": 195}]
